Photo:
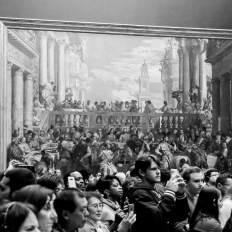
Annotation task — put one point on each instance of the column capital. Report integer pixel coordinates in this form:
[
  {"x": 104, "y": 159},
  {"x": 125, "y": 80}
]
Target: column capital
[
  {"x": 180, "y": 51},
  {"x": 224, "y": 79},
  {"x": 9, "y": 65},
  {"x": 42, "y": 34},
  {"x": 61, "y": 42},
  {"x": 230, "y": 73},
  {"x": 29, "y": 77},
  {"x": 51, "y": 41},
  {"x": 195, "y": 50},
  {"x": 19, "y": 71},
  {"x": 216, "y": 80},
  {"x": 202, "y": 45},
  {"x": 67, "y": 48}
]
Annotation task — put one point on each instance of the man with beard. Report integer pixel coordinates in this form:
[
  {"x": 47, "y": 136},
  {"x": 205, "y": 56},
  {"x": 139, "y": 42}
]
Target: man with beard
[{"x": 153, "y": 211}]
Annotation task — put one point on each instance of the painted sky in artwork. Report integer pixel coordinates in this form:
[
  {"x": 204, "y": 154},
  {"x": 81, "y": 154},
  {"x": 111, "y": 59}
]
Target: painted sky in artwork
[{"x": 114, "y": 64}]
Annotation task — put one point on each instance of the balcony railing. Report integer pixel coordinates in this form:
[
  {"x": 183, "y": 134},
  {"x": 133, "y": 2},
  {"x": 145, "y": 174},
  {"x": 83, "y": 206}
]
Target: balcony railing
[{"x": 93, "y": 120}]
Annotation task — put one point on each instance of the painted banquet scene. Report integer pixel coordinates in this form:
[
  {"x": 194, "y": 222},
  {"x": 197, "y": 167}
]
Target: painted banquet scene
[{"x": 116, "y": 132}]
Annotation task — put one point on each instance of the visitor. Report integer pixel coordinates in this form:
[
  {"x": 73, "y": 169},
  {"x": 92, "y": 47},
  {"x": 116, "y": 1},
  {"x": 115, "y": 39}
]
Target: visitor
[
  {"x": 71, "y": 209},
  {"x": 42, "y": 198},
  {"x": 206, "y": 214}
]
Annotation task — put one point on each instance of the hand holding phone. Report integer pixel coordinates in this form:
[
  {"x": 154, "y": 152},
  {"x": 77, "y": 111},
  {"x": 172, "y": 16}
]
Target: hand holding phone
[
  {"x": 71, "y": 182},
  {"x": 131, "y": 208}
]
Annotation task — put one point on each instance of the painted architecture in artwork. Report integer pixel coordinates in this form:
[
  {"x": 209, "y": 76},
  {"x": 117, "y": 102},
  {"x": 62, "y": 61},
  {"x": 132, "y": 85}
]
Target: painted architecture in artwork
[
  {"x": 44, "y": 66},
  {"x": 219, "y": 55},
  {"x": 46, "y": 70},
  {"x": 184, "y": 73},
  {"x": 144, "y": 85}
]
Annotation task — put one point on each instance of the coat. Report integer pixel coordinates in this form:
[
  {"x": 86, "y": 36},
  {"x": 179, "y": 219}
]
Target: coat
[{"x": 156, "y": 213}]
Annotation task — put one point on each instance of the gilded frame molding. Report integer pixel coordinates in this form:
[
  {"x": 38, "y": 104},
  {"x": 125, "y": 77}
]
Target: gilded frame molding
[{"x": 115, "y": 29}]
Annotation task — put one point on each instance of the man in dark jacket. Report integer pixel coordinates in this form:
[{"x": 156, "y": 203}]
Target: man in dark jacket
[{"x": 154, "y": 212}]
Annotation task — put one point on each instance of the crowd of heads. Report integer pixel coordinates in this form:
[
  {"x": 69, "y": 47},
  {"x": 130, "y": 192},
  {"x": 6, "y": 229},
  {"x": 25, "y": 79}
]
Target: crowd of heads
[{"x": 96, "y": 176}]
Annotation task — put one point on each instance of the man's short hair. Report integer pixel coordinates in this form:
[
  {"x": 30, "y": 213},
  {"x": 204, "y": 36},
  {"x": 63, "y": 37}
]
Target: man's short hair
[
  {"x": 188, "y": 171},
  {"x": 223, "y": 177},
  {"x": 19, "y": 177},
  {"x": 208, "y": 173},
  {"x": 86, "y": 174},
  {"x": 66, "y": 200},
  {"x": 144, "y": 162},
  {"x": 49, "y": 181}
]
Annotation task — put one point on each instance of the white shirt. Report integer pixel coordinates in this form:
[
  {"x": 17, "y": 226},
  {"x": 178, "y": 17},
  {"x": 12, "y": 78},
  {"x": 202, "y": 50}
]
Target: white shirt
[{"x": 225, "y": 211}]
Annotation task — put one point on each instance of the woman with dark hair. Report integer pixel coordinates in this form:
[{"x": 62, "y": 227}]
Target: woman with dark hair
[
  {"x": 206, "y": 214},
  {"x": 42, "y": 198},
  {"x": 111, "y": 189},
  {"x": 18, "y": 217}
]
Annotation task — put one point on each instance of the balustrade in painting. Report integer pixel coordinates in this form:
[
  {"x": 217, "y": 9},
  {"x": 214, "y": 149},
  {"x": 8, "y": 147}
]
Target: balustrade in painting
[{"x": 94, "y": 120}]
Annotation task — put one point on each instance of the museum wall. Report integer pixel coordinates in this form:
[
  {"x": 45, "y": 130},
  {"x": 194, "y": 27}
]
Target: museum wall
[{"x": 177, "y": 13}]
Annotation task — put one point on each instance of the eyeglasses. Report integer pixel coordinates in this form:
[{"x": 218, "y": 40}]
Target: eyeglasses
[{"x": 97, "y": 206}]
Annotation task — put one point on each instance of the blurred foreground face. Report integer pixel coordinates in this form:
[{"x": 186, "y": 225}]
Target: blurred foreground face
[
  {"x": 30, "y": 224},
  {"x": 4, "y": 188},
  {"x": 47, "y": 216}
]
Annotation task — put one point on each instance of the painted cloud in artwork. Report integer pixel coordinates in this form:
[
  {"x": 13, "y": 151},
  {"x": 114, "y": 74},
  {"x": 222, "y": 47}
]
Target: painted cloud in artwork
[{"x": 114, "y": 64}]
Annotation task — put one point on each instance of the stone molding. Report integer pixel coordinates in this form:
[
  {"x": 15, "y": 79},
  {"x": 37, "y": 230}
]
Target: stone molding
[{"x": 115, "y": 29}]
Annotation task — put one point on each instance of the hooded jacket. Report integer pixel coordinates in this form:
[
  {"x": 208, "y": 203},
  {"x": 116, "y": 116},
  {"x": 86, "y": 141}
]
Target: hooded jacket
[{"x": 156, "y": 213}]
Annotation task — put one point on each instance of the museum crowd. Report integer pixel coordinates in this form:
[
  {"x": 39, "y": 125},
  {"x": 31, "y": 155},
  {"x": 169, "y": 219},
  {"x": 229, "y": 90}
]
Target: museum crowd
[{"x": 113, "y": 180}]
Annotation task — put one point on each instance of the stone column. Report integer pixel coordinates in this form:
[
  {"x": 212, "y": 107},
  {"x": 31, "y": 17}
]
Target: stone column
[
  {"x": 17, "y": 101},
  {"x": 28, "y": 101},
  {"x": 67, "y": 85},
  {"x": 216, "y": 104},
  {"x": 51, "y": 61},
  {"x": 202, "y": 74},
  {"x": 225, "y": 104},
  {"x": 61, "y": 72},
  {"x": 82, "y": 95},
  {"x": 230, "y": 76},
  {"x": 181, "y": 68},
  {"x": 3, "y": 96},
  {"x": 195, "y": 65},
  {"x": 9, "y": 101},
  {"x": 43, "y": 59},
  {"x": 186, "y": 85}
]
